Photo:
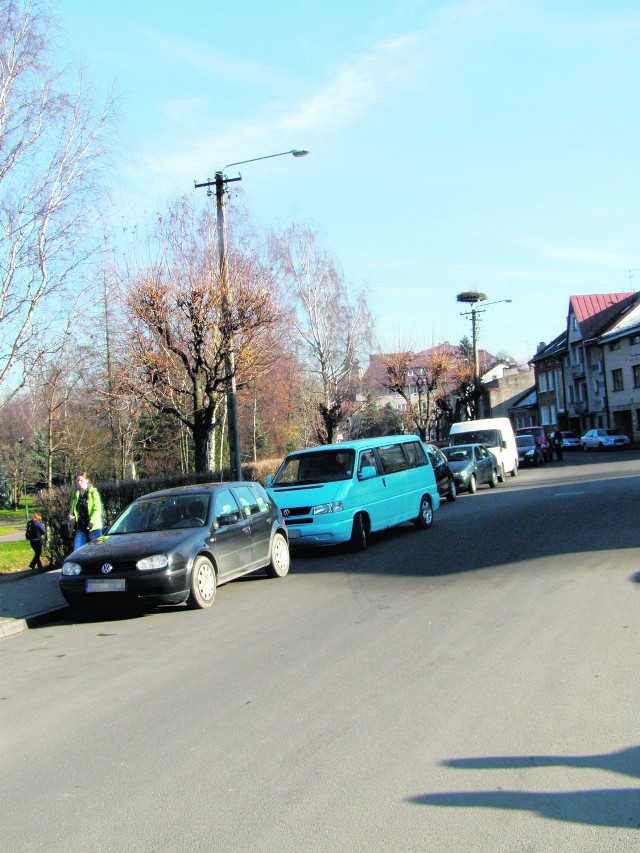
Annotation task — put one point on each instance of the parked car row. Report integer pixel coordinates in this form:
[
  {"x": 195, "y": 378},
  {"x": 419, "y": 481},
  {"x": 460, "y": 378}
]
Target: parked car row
[{"x": 178, "y": 545}]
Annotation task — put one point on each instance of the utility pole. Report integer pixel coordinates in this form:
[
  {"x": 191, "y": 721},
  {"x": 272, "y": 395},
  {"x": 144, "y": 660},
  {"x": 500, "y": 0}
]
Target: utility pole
[
  {"x": 235, "y": 461},
  {"x": 220, "y": 182}
]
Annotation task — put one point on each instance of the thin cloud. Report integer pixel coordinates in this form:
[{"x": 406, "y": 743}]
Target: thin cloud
[
  {"x": 582, "y": 255},
  {"x": 201, "y": 57}
]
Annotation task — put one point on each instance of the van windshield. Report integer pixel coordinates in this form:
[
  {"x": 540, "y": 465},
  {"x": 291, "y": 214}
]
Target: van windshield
[
  {"x": 322, "y": 466},
  {"x": 488, "y": 437}
]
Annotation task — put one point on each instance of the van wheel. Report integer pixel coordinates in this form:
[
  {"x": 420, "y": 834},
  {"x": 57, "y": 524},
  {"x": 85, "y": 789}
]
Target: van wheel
[
  {"x": 425, "y": 514},
  {"x": 472, "y": 484},
  {"x": 359, "y": 535},
  {"x": 493, "y": 482},
  {"x": 514, "y": 471},
  {"x": 452, "y": 494}
]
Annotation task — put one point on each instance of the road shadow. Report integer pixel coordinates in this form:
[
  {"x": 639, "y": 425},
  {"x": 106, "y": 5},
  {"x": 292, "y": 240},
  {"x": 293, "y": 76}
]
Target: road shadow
[{"x": 609, "y": 807}]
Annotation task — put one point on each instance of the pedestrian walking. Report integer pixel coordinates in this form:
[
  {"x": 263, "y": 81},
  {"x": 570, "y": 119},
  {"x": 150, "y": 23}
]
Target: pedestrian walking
[
  {"x": 85, "y": 510},
  {"x": 556, "y": 444},
  {"x": 36, "y": 533}
]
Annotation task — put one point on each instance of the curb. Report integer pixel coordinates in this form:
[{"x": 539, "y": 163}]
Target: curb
[{"x": 9, "y": 627}]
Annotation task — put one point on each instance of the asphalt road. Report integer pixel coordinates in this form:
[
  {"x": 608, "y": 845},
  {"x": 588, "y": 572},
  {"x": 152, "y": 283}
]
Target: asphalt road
[{"x": 473, "y": 687}]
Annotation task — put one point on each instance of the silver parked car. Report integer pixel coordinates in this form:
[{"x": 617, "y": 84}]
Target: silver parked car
[
  {"x": 601, "y": 439},
  {"x": 570, "y": 441}
]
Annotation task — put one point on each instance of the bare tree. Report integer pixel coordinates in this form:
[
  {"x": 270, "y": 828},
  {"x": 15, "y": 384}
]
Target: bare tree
[
  {"x": 50, "y": 150},
  {"x": 421, "y": 382},
  {"x": 329, "y": 326},
  {"x": 184, "y": 323}
]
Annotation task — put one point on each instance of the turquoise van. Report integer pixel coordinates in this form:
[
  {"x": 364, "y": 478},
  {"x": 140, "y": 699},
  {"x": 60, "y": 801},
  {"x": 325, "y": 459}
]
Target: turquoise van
[{"x": 343, "y": 492}]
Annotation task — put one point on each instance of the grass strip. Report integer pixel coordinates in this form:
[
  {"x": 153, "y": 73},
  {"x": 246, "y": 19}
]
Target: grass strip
[{"x": 15, "y": 557}]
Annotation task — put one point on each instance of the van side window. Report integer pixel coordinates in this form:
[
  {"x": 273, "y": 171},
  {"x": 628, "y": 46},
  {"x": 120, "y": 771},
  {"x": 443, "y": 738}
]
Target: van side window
[
  {"x": 393, "y": 459},
  {"x": 415, "y": 453},
  {"x": 367, "y": 458}
]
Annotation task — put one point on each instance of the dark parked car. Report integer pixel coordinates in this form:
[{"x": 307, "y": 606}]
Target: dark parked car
[
  {"x": 541, "y": 437},
  {"x": 529, "y": 452},
  {"x": 178, "y": 545},
  {"x": 472, "y": 465},
  {"x": 445, "y": 481}
]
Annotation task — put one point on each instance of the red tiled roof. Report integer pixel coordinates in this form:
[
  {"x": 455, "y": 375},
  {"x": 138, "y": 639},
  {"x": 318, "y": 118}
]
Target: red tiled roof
[{"x": 596, "y": 311}]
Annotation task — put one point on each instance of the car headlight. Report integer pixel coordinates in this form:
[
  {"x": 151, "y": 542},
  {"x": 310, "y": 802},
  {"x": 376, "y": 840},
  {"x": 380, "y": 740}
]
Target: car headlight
[
  {"x": 530, "y": 452},
  {"x": 323, "y": 509},
  {"x": 157, "y": 561},
  {"x": 463, "y": 475},
  {"x": 71, "y": 569}
]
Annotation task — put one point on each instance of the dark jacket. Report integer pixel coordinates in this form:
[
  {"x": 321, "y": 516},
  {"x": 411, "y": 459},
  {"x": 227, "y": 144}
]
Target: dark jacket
[{"x": 36, "y": 531}]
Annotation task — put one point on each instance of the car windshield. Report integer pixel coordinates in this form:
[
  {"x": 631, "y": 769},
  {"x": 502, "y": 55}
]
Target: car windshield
[
  {"x": 168, "y": 512},
  {"x": 489, "y": 437},
  {"x": 457, "y": 454},
  {"x": 322, "y": 466},
  {"x": 525, "y": 440}
]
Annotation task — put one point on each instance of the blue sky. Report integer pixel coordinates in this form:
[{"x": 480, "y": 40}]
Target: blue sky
[{"x": 480, "y": 144}]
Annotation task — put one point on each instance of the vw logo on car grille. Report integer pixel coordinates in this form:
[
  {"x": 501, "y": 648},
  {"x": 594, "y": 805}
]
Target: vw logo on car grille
[
  {"x": 106, "y": 568},
  {"x": 286, "y": 512}
]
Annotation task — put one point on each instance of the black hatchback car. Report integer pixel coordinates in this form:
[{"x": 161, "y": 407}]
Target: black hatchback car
[
  {"x": 179, "y": 545},
  {"x": 445, "y": 480}
]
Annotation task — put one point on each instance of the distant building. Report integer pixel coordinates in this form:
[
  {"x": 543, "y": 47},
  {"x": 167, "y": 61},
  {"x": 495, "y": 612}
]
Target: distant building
[{"x": 589, "y": 376}]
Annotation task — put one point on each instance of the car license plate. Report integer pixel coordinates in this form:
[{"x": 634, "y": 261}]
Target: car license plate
[
  {"x": 107, "y": 585},
  {"x": 293, "y": 534}
]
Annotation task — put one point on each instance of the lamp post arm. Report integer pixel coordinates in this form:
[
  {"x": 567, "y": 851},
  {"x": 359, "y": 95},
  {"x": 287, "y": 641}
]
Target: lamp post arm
[{"x": 297, "y": 152}]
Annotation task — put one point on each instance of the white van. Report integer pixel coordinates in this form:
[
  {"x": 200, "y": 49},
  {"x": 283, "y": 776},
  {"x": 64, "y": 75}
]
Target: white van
[
  {"x": 343, "y": 492},
  {"x": 496, "y": 434}
]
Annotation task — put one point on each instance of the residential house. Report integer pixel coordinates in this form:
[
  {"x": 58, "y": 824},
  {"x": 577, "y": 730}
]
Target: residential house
[
  {"x": 620, "y": 348},
  {"x": 550, "y": 397},
  {"x": 500, "y": 392},
  {"x": 586, "y": 387}
]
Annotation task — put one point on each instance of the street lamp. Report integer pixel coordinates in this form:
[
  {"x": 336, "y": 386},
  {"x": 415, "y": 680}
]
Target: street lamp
[
  {"x": 220, "y": 182},
  {"x": 473, "y": 297},
  {"x": 24, "y": 478}
]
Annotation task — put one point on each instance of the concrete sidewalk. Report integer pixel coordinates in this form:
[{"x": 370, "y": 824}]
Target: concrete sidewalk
[{"x": 28, "y": 600}]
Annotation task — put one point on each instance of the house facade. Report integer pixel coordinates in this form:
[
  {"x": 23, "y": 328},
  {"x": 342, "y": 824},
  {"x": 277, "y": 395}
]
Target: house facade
[
  {"x": 620, "y": 348},
  {"x": 589, "y": 376},
  {"x": 550, "y": 388}
]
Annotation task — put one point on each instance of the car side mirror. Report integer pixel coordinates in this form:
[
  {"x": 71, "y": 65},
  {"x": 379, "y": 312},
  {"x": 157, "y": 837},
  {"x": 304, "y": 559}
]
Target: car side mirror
[
  {"x": 228, "y": 518},
  {"x": 269, "y": 480},
  {"x": 367, "y": 472}
]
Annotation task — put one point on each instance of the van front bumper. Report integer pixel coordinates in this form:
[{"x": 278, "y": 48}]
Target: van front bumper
[{"x": 319, "y": 531}]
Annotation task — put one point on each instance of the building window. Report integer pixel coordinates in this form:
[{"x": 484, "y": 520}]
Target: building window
[
  {"x": 636, "y": 375},
  {"x": 635, "y": 339},
  {"x": 616, "y": 377},
  {"x": 614, "y": 345}
]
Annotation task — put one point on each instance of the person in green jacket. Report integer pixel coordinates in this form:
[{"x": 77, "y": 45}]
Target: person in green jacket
[{"x": 85, "y": 510}]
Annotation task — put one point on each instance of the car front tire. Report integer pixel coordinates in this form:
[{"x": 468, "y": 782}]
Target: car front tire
[
  {"x": 472, "y": 485},
  {"x": 493, "y": 482},
  {"x": 359, "y": 534},
  {"x": 452, "y": 494},
  {"x": 279, "y": 565},
  {"x": 202, "y": 584}
]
